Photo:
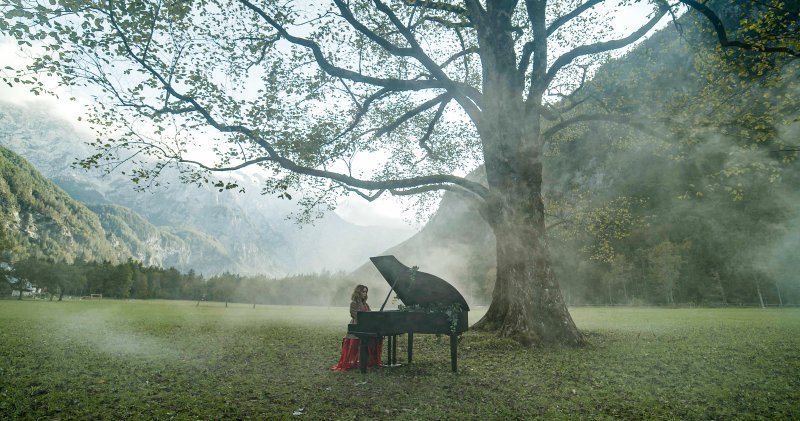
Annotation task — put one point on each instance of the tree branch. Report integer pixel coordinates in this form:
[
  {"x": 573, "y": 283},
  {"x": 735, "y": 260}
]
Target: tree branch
[
  {"x": 561, "y": 20},
  {"x": 536, "y": 10},
  {"x": 524, "y": 59},
  {"x": 331, "y": 69},
  {"x": 226, "y": 169},
  {"x": 722, "y": 35},
  {"x": 284, "y": 162},
  {"x": 601, "y": 47},
  {"x": 422, "y": 57},
  {"x": 447, "y": 23},
  {"x": 462, "y": 53},
  {"x": 435, "y": 5},
  {"x": 363, "y": 109},
  {"x": 631, "y": 121},
  {"x": 423, "y": 141},
  {"x": 411, "y": 113},
  {"x": 347, "y": 14}
]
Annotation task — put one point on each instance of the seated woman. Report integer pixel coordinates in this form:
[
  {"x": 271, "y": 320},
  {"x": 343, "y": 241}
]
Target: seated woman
[{"x": 350, "y": 343}]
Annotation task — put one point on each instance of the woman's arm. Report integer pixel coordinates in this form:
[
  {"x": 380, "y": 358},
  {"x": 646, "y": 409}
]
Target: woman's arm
[{"x": 354, "y": 307}]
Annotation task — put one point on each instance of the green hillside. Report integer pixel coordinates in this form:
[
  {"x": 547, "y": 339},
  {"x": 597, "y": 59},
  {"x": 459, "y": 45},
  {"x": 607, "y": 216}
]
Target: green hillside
[{"x": 45, "y": 221}]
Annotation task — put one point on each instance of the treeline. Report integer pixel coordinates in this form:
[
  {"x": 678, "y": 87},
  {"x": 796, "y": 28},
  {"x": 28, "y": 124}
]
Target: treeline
[
  {"x": 133, "y": 280},
  {"x": 669, "y": 273}
]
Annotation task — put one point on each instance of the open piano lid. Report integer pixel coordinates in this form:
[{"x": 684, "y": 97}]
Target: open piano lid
[{"x": 422, "y": 289}]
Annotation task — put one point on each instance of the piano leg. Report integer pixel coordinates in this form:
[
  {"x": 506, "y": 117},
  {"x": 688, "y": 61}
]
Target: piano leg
[
  {"x": 389, "y": 341},
  {"x": 394, "y": 349},
  {"x": 363, "y": 359},
  {"x": 454, "y": 352},
  {"x": 410, "y": 346}
]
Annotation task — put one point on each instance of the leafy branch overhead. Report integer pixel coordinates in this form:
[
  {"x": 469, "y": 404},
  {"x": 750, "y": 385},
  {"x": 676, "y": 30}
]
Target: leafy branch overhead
[{"x": 259, "y": 79}]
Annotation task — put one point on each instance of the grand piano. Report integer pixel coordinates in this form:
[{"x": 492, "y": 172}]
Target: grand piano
[{"x": 419, "y": 292}]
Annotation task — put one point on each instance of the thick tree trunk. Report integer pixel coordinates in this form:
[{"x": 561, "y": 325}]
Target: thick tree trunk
[{"x": 527, "y": 304}]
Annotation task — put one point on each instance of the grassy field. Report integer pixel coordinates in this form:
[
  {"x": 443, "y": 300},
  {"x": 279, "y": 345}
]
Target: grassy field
[{"x": 167, "y": 359}]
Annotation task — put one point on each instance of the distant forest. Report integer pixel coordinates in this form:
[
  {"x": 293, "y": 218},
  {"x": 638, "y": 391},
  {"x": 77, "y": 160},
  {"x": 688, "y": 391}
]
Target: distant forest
[
  {"x": 130, "y": 279},
  {"x": 656, "y": 279}
]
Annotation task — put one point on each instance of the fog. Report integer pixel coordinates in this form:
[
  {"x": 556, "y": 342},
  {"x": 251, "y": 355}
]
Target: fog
[{"x": 106, "y": 331}]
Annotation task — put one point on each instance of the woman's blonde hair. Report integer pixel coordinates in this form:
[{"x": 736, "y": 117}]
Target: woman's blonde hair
[{"x": 356, "y": 296}]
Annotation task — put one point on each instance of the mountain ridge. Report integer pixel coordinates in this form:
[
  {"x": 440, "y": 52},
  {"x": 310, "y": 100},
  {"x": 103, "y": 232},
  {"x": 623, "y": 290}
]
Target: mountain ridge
[{"x": 250, "y": 232}]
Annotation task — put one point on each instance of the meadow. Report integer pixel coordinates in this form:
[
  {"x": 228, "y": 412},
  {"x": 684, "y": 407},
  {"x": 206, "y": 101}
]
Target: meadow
[{"x": 110, "y": 359}]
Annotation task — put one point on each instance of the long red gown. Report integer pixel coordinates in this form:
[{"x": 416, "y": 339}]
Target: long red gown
[{"x": 350, "y": 352}]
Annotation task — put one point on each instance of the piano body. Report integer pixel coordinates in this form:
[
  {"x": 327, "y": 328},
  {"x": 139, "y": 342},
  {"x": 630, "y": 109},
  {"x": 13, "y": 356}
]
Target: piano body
[{"x": 416, "y": 290}]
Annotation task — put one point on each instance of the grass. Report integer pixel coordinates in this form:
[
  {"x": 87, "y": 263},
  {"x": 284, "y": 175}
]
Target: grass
[{"x": 169, "y": 359}]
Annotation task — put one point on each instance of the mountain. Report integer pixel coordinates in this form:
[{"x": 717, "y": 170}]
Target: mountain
[
  {"x": 159, "y": 246},
  {"x": 197, "y": 228},
  {"x": 45, "y": 221}
]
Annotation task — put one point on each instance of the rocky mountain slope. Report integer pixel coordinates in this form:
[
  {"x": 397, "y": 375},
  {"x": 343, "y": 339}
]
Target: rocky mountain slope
[
  {"x": 187, "y": 226},
  {"x": 45, "y": 221}
]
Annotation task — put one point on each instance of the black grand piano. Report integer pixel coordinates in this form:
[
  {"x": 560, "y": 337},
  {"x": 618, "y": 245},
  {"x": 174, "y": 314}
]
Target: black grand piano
[{"x": 418, "y": 291}]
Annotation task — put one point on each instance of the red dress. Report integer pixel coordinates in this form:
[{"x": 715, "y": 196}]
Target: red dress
[{"x": 350, "y": 345}]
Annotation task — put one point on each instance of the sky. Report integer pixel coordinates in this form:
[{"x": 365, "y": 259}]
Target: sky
[{"x": 385, "y": 211}]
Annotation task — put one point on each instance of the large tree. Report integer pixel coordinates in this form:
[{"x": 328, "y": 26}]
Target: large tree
[{"x": 423, "y": 91}]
